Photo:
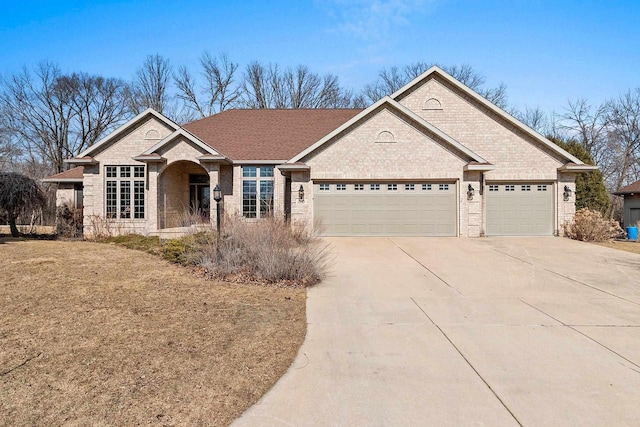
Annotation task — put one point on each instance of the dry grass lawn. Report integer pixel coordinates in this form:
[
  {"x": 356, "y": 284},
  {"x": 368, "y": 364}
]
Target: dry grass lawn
[
  {"x": 95, "y": 334},
  {"x": 623, "y": 246}
]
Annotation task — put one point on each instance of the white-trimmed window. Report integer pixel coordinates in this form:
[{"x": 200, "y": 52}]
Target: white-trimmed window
[
  {"x": 525, "y": 188},
  {"x": 124, "y": 192},
  {"x": 325, "y": 187},
  {"x": 509, "y": 188},
  {"x": 494, "y": 187},
  {"x": 426, "y": 187},
  {"x": 542, "y": 188},
  {"x": 443, "y": 187},
  {"x": 358, "y": 187},
  {"x": 392, "y": 187},
  {"x": 341, "y": 187},
  {"x": 409, "y": 187},
  {"x": 257, "y": 190},
  {"x": 374, "y": 187}
]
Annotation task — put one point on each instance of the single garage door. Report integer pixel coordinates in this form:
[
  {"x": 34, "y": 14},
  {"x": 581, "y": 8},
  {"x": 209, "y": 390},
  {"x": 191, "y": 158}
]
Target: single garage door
[
  {"x": 519, "y": 209},
  {"x": 385, "y": 208}
]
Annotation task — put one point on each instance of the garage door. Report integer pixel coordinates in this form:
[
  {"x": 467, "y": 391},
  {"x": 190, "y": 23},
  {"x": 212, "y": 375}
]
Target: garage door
[
  {"x": 519, "y": 209},
  {"x": 385, "y": 209}
]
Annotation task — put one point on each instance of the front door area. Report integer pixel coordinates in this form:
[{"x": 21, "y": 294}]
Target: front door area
[{"x": 199, "y": 196}]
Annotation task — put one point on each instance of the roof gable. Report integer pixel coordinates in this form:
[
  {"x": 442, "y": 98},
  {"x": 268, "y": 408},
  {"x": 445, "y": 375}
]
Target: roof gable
[
  {"x": 125, "y": 128},
  {"x": 436, "y": 71},
  {"x": 392, "y": 104},
  {"x": 177, "y": 134}
]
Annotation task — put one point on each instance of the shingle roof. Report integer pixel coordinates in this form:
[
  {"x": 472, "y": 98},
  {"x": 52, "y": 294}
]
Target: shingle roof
[
  {"x": 73, "y": 174},
  {"x": 631, "y": 188},
  {"x": 267, "y": 134}
]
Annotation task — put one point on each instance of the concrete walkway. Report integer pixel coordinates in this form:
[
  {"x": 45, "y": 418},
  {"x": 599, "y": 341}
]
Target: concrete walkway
[{"x": 454, "y": 331}]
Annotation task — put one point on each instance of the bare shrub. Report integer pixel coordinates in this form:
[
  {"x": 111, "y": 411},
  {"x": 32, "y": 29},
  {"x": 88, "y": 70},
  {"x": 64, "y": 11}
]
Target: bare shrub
[
  {"x": 268, "y": 251},
  {"x": 102, "y": 228},
  {"x": 589, "y": 226},
  {"x": 69, "y": 221}
]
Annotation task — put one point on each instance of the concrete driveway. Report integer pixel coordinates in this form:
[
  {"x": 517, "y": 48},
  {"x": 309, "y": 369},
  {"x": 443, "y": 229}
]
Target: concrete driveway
[{"x": 455, "y": 331}]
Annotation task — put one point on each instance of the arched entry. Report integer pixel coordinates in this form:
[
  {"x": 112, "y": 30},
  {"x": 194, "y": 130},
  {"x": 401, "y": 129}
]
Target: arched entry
[{"x": 183, "y": 195}]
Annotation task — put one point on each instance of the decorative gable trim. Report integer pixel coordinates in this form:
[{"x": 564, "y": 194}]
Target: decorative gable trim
[
  {"x": 487, "y": 104},
  {"x": 125, "y": 127},
  {"x": 387, "y": 101},
  {"x": 188, "y": 136}
]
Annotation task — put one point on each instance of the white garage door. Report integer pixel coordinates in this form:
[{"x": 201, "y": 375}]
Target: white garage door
[
  {"x": 519, "y": 209},
  {"x": 385, "y": 208}
]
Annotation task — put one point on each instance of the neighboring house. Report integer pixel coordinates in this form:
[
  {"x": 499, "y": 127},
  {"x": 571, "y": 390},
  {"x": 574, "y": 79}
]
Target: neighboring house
[
  {"x": 631, "y": 207},
  {"x": 432, "y": 159}
]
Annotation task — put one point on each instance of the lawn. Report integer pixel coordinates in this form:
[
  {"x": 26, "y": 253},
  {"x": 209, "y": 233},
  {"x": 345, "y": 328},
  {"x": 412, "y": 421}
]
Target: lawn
[
  {"x": 623, "y": 246},
  {"x": 96, "y": 334}
]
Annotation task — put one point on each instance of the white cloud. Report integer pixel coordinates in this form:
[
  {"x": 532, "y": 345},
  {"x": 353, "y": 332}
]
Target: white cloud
[{"x": 372, "y": 20}]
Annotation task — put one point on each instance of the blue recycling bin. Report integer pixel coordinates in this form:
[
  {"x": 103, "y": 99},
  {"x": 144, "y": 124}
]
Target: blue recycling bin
[{"x": 632, "y": 233}]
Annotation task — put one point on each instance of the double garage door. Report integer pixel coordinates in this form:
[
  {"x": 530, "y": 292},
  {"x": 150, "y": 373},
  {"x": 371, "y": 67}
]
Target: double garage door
[
  {"x": 386, "y": 208},
  {"x": 428, "y": 209}
]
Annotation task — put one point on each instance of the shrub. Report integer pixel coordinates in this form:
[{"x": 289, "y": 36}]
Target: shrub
[
  {"x": 69, "y": 221},
  {"x": 269, "y": 251},
  {"x": 589, "y": 226},
  {"x": 101, "y": 228}
]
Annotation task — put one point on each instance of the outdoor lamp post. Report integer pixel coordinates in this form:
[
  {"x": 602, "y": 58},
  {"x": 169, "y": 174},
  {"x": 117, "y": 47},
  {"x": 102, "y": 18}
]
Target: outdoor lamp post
[{"x": 217, "y": 196}]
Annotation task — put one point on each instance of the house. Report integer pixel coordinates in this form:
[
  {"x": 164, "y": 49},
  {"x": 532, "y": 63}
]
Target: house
[
  {"x": 631, "y": 206},
  {"x": 432, "y": 159}
]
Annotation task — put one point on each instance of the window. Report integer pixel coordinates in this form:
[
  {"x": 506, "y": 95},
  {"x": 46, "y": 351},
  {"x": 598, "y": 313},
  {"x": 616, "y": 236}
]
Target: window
[
  {"x": 509, "y": 188},
  {"x": 392, "y": 187},
  {"x": 124, "y": 189},
  {"x": 525, "y": 188},
  {"x": 542, "y": 188},
  {"x": 374, "y": 187},
  {"x": 341, "y": 187},
  {"x": 358, "y": 187},
  {"x": 426, "y": 187},
  {"x": 324, "y": 187},
  {"x": 493, "y": 188},
  {"x": 257, "y": 191},
  {"x": 409, "y": 187},
  {"x": 443, "y": 187}
]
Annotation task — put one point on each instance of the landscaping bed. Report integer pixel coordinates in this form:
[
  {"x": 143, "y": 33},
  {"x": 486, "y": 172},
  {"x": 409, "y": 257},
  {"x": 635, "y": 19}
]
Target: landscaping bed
[{"x": 96, "y": 334}]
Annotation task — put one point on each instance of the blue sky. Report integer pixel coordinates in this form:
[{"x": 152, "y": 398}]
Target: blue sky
[{"x": 546, "y": 52}]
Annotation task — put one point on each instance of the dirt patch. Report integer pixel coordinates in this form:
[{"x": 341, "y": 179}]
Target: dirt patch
[
  {"x": 633, "y": 247},
  {"x": 94, "y": 334}
]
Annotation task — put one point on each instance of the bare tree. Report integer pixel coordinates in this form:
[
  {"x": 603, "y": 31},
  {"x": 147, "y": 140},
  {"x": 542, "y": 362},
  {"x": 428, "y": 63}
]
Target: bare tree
[
  {"x": 99, "y": 106},
  {"x": 259, "y": 85},
  {"x": 535, "y": 118},
  {"x": 220, "y": 90},
  {"x": 392, "y": 79},
  {"x": 18, "y": 194},
  {"x": 624, "y": 133},
  {"x": 9, "y": 151},
  {"x": 266, "y": 86},
  {"x": 55, "y": 116},
  {"x": 151, "y": 85},
  {"x": 589, "y": 125}
]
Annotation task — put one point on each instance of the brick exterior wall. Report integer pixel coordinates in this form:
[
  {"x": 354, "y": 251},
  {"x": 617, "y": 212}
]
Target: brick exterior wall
[
  {"x": 167, "y": 185},
  {"x": 516, "y": 155},
  {"x": 385, "y": 145}
]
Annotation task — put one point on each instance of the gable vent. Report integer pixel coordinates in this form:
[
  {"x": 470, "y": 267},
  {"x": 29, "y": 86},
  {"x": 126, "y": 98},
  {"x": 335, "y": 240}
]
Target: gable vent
[{"x": 432, "y": 104}]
